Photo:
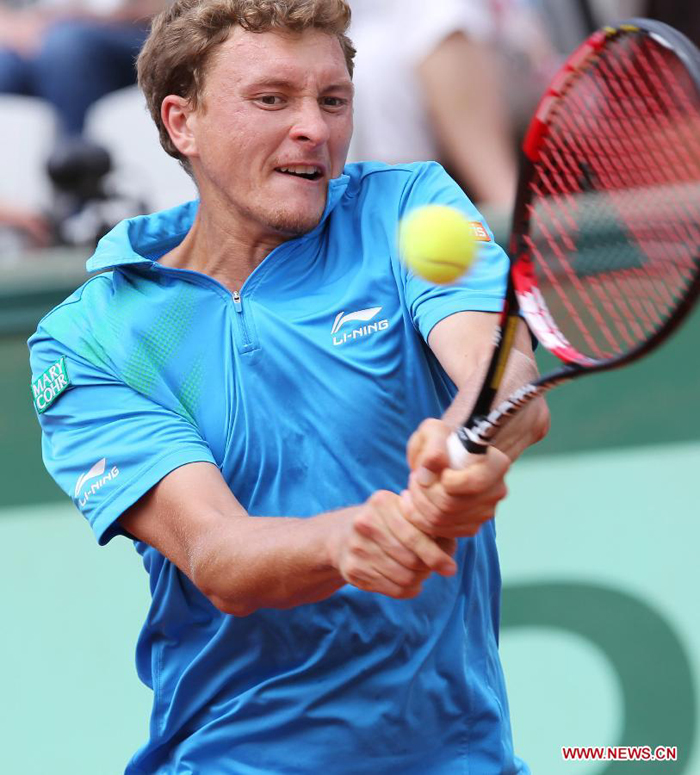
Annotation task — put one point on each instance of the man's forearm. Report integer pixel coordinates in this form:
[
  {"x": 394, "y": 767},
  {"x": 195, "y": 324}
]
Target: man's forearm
[
  {"x": 531, "y": 424},
  {"x": 268, "y": 562},
  {"x": 277, "y": 562},
  {"x": 527, "y": 427},
  {"x": 242, "y": 562}
]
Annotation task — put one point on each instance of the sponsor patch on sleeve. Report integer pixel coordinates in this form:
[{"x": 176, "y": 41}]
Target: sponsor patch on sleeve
[
  {"x": 479, "y": 231},
  {"x": 49, "y": 386}
]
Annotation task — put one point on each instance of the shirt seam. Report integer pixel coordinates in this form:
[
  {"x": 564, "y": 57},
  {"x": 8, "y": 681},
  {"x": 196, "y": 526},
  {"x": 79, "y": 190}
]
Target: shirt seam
[
  {"x": 67, "y": 302},
  {"x": 98, "y": 513}
]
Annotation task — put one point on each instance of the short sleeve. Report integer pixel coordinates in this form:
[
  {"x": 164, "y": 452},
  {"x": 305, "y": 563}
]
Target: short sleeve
[
  {"x": 104, "y": 443},
  {"x": 417, "y": 33},
  {"x": 445, "y": 18},
  {"x": 483, "y": 288}
]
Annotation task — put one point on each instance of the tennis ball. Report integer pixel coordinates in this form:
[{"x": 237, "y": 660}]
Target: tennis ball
[{"x": 437, "y": 243}]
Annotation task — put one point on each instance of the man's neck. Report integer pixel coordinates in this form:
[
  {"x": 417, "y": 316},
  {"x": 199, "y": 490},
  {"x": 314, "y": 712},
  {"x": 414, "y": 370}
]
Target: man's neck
[{"x": 219, "y": 249}]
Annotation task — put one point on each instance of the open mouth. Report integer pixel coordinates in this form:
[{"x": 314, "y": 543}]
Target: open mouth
[{"x": 302, "y": 171}]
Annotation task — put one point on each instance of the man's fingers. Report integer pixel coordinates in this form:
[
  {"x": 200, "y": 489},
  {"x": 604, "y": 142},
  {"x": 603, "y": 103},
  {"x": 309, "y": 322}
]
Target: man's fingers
[
  {"x": 374, "y": 525},
  {"x": 427, "y": 451},
  {"x": 367, "y": 567},
  {"x": 401, "y": 540},
  {"x": 414, "y": 447},
  {"x": 424, "y": 547},
  {"x": 384, "y": 586},
  {"x": 478, "y": 478},
  {"x": 385, "y": 553},
  {"x": 448, "y": 545},
  {"x": 372, "y": 569},
  {"x": 420, "y": 510},
  {"x": 437, "y": 513},
  {"x": 381, "y": 535},
  {"x": 427, "y": 518}
]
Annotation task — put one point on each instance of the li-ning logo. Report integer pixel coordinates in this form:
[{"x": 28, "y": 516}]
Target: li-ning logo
[
  {"x": 98, "y": 470},
  {"x": 361, "y": 316}
]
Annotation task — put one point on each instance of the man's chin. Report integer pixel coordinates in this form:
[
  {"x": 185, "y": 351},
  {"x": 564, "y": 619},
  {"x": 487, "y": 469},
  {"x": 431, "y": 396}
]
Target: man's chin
[{"x": 294, "y": 224}]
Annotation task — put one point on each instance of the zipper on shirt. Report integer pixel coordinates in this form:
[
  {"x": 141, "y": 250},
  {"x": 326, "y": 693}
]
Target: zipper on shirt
[
  {"x": 238, "y": 306},
  {"x": 247, "y": 341}
]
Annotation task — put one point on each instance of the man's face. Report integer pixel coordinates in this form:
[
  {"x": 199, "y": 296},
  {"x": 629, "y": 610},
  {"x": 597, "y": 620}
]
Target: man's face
[{"x": 272, "y": 128}]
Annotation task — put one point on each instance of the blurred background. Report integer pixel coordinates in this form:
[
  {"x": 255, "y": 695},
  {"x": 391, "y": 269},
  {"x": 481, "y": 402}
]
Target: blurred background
[{"x": 601, "y": 632}]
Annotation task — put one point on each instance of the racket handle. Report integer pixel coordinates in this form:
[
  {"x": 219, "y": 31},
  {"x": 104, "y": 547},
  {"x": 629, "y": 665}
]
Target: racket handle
[{"x": 460, "y": 456}]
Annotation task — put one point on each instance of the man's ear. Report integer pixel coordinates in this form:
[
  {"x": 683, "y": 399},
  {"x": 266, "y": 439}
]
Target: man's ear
[{"x": 178, "y": 118}]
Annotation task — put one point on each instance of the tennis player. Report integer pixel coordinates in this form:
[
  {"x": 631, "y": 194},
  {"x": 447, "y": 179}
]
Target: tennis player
[{"x": 236, "y": 389}]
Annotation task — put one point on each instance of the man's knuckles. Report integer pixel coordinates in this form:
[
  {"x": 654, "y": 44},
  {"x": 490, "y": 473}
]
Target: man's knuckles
[
  {"x": 433, "y": 426},
  {"x": 367, "y": 521},
  {"x": 469, "y": 481},
  {"x": 437, "y": 504},
  {"x": 366, "y": 577},
  {"x": 425, "y": 512},
  {"x": 364, "y": 524}
]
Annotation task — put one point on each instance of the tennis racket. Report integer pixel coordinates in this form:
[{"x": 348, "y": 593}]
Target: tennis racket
[{"x": 605, "y": 243}]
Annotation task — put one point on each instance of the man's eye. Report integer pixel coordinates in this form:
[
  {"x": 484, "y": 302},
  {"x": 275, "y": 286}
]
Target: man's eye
[
  {"x": 270, "y": 99},
  {"x": 333, "y": 102}
]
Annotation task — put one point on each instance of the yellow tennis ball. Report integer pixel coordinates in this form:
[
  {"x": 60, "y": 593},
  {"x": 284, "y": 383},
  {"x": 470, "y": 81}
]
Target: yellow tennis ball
[{"x": 437, "y": 243}]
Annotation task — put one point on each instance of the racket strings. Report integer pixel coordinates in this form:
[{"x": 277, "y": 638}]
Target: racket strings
[
  {"x": 567, "y": 204},
  {"x": 653, "y": 137},
  {"x": 675, "y": 97},
  {"x": 619, "y": 322},
  {"x": 615, "y": 235},
  {"x": 599, "y": 322},
  {"x": 559, "y": 248},
  {"x": 633, "y": 169},
  {"x": 618, "y": 83},
  {"x": 664, "y": 119}
]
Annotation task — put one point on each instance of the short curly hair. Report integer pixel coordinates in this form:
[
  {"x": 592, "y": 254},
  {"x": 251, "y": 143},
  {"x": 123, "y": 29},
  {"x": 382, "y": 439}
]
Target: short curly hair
[{"x": 183, "y": 36}]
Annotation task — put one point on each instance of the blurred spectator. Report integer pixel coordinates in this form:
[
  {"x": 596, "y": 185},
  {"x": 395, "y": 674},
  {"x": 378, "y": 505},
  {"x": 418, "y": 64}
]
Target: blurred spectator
[
  {"x": 430, "y": 86},
  {"x": 427, "y": 88},
  {"x": 71, "y": 54},
  {"x": 33, "y": 228},
  {"x": 527, "y": 50}
]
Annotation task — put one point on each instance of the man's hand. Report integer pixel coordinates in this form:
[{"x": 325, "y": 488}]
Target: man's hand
[
  {"x": 379, "y": 549},
  {"x": 449, "y": 503}
]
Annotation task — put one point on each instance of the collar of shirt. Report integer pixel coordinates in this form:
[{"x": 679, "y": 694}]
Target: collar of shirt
[{"x": 144, "y": 239}]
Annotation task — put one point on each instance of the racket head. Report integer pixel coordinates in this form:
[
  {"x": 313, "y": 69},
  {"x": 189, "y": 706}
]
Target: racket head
[{"x": 605, "y": 245}]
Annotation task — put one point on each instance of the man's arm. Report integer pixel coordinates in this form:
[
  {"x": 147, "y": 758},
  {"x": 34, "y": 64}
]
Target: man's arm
[
  {"x": 242, "y": 563},
  {"x": 463, "y": 343},
  {"x": 447, "y": 502}
]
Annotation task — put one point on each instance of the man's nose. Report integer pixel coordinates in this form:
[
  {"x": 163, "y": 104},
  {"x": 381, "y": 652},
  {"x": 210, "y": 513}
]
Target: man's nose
[{"x": 310, "y": 123}]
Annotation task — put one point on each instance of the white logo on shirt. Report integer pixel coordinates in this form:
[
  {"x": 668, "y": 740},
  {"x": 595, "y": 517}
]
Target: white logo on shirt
[
  {"x": 364, "y": 315},
  {"x": 361, "y": 316},
  {"x": 98, "y": 470}
]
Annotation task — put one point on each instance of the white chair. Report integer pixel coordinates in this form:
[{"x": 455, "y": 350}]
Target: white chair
[
  {"x": 121, "y": 123},
  {"x": 27, "y": 131}
]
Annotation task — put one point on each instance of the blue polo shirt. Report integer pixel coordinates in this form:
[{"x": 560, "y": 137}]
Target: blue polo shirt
[{"x": 302, "y": 387}]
